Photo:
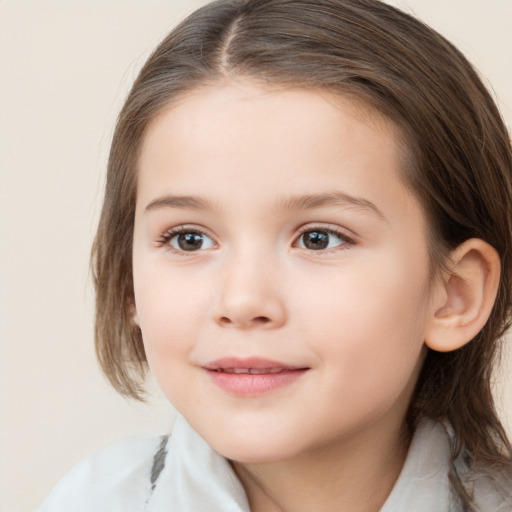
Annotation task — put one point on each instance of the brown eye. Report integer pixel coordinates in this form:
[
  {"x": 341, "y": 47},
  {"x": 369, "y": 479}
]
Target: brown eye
[
  {"x": 319, "y": 240},
  {"x": 191, "y": 241}
]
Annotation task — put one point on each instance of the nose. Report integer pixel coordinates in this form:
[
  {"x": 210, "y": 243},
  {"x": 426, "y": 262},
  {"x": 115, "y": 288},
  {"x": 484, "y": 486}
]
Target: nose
[{"x": 250, "y": 296}]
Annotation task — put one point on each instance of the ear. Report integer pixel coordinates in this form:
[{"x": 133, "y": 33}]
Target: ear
[
  {"x": 132, "y": 312},
  {"x": 465, "y": 296}
]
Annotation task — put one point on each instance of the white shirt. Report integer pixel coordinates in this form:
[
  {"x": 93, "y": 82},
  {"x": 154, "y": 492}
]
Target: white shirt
[{"x": 182, "y": 473}]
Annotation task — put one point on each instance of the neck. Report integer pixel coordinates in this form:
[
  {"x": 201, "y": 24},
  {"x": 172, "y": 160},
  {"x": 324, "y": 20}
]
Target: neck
[{"x": 355, "y": 475}]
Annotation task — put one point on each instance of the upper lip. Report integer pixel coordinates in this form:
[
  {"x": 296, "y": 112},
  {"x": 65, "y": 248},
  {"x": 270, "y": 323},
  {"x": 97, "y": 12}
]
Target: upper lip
[{"x": 249, "y": 363}]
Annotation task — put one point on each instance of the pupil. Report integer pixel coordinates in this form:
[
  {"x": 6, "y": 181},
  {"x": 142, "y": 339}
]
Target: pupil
[
  {"x": 190, "y": 241},
  {"x": 316, "y": 240}
]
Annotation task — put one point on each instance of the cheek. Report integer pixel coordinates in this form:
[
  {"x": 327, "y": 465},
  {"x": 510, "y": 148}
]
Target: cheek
[
  {"x": 367, "y": 320},
  {"x": 170, "y": 313},
  {"x": 169, "y": 327}
]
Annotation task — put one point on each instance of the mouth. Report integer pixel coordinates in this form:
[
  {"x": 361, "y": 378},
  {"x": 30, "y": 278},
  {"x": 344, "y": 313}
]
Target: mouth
[
  {"x": 252, "y": 376},
  {"x": 252, "y": 371}
]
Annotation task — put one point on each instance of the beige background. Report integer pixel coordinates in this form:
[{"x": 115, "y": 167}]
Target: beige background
[{"x": 65, "y": 67}]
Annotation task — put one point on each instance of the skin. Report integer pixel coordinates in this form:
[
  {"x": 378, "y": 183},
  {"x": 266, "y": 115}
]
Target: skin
[{"x": 355, "y": 314}]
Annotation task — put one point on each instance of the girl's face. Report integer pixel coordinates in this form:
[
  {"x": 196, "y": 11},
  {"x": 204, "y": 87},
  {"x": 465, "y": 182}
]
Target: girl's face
[{"x": 281, "y": 269}]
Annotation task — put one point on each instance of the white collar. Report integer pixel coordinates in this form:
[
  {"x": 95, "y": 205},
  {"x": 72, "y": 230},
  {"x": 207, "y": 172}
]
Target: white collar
[
  {"x": 195, "y": 478},
  {"x": 423, "y": 484}
]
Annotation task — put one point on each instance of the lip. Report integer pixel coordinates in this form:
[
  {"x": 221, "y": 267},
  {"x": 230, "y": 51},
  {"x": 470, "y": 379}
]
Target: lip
[
  {"x": 252, "y": 376},
  {"x": 256, "y": 363}
]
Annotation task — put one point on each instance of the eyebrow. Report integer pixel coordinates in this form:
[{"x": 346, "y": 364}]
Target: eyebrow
[
  {"x": 181, "y": 202},
  {"x": 310, "y": 201},
  {"x": 293, "y": 203}
]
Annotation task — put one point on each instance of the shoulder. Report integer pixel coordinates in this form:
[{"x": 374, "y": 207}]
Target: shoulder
[
  {"x": 489, "y": 486},
  {"x": 492, "y": 492},
  {"x": 119, "y": 477}
]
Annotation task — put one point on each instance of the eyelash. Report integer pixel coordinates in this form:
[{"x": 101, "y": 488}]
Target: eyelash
[
  {"x": 329, "y": 230},
  {"x": 168, "y": 236}
]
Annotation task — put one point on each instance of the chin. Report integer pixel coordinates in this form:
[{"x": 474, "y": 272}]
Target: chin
[
  {"x": 254, "y": 447},
  {"x": 254, "y": 453}
]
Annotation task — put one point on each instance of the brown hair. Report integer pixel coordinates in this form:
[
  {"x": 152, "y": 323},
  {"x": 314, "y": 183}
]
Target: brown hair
[{"x": 460, "y": 168}]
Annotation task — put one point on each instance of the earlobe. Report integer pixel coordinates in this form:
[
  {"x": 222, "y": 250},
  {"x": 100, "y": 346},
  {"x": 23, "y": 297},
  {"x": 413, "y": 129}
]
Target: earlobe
[{"x": 467, "y": 294}]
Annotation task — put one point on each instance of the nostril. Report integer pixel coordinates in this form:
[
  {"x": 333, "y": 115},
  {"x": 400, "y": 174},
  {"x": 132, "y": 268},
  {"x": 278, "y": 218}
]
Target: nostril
[
  {"x": 258, "y": 320},
  {"x": 261, "y": 320}
]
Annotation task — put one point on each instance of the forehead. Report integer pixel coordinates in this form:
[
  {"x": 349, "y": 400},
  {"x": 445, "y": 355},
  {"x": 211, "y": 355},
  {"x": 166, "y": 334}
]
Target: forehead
[
  {"x": 269, "y": 140},
  {"x": 250, "y": 103}
]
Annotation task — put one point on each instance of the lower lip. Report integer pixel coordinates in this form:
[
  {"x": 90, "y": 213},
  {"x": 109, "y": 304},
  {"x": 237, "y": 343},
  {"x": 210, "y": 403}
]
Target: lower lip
[{"x": 247, "y": 384}]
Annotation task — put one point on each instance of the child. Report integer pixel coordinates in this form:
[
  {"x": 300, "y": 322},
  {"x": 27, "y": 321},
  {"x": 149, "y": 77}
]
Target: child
[{"x": 306, "y": 236}]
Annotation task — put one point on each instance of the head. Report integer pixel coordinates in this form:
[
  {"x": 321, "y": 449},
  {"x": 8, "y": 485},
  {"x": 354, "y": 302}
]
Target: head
[{"x": 454, "y": 156}]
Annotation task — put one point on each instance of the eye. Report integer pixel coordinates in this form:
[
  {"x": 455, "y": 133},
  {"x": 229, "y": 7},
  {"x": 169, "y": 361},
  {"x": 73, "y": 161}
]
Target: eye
[
  {"x": 189, "y": 241},
  {"x": 320, "y": 239}
]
